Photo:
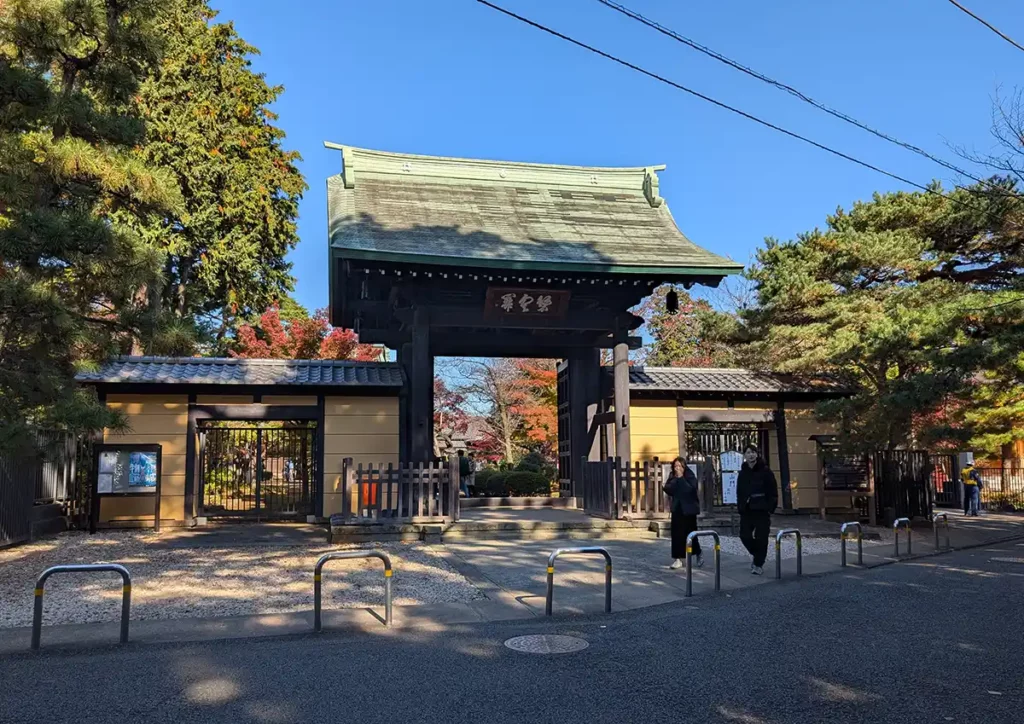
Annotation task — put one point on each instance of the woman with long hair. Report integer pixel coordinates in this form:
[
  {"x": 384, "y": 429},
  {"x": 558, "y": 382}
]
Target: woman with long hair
[
  {"x": 757, "y": 496},
  {"x": 681, "y": 487}
]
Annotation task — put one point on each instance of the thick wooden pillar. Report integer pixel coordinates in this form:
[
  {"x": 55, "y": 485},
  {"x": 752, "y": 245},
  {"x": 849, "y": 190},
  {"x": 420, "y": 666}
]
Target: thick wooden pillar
[
  {"x": 584, "y": 378},
  {"x": 620, "y": 359},
  {"x": 421, "y": 391},
  {"x": 784, "y": 473}
]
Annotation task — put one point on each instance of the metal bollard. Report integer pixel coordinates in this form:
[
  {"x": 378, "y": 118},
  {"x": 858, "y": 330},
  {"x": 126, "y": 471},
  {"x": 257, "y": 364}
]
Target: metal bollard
[
  {"x": 860, "y": 542},
  {"x": 689, "y": 558},
  {"x": 126, "y": 594},
  {"x": 349, "y": 555},
  {"x": 607, "y": 575},
  {"x": 799, "y": 551},
  {"x": 935, "y": 525},
  {"x": 896, "y": 531}
]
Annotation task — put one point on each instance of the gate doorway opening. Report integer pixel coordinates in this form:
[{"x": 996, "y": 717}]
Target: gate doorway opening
[
  {"x": 722, "y": 445},
  {"x": 258, "y": 470}
]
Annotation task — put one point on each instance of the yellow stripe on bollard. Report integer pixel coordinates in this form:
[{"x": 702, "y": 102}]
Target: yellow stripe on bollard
[
  {"x": 718, "y": 547},
  {"x": 316, "y": 577},
  {"x": 689, "y": 550},
  {"x": 39, "y": 592},
  {"x": 126, "y": 589},
  {"x": 387, "y": 573},
  {"x": 608, "y": 568},
  {"x": 551, "y": 569}
]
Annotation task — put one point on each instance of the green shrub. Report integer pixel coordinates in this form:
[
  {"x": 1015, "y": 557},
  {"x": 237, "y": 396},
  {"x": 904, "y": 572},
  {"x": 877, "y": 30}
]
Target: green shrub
[
  {"x": 522, "y": 482},
  {"x": 491, "y": 482}
]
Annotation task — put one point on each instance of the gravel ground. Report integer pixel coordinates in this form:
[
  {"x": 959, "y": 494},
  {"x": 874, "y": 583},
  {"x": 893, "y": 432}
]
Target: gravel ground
[
  {"x": 173, "y": 581},
  {"x": 812, "y": 546}
]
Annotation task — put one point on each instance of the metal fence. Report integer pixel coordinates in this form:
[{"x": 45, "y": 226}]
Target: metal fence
[
  {"x": 56, "y": 472},
  {"x": 1002, "y": 488}
]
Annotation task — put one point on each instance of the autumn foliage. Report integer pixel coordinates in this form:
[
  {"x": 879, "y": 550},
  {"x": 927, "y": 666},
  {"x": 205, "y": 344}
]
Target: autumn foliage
[{"x": 300, "y": 337}]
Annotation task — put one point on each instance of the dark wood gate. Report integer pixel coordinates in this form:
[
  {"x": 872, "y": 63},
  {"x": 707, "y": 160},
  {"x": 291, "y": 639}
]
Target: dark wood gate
[
  {"x": 599, "y": 488},
  {"x": 902, "y": 484},
  {"x": 258, "y": 472},
  {"x": 944, "y": 480}
]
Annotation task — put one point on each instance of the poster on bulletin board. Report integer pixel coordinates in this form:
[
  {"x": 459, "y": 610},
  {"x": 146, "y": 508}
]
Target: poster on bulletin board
[{"x": 126, "y": 470}]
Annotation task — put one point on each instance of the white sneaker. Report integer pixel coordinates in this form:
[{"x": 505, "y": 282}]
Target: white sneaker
[
  {"x": 700, "y": 560},
  {"x": 757, "y": 570},
  {"x": 676, "y": 564}
]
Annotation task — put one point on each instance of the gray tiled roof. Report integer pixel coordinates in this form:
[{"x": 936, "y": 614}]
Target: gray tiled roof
[
  {"x": 685, "y": 379},
  {"x": 472, "y": 212},
  {"x": 229, "y": 371}
]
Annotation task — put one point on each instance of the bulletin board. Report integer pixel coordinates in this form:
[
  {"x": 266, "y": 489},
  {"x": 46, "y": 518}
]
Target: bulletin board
[{"x": 125, "y": 470}]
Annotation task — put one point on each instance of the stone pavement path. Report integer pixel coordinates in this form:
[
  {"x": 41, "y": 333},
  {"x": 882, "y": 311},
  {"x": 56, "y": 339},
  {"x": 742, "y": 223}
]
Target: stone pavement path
[{"x": 489, "y": 580}]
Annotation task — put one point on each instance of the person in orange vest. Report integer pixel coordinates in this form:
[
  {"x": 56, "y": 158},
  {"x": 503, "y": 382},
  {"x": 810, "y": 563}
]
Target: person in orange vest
[{"x": 971, "y": 479}]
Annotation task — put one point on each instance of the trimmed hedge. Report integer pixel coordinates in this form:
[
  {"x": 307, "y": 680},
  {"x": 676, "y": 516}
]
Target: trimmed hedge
[{"x": 494, "y": 483}]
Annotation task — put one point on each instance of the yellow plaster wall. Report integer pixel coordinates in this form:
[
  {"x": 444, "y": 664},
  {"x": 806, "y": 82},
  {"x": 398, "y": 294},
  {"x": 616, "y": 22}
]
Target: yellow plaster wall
[
  {"x": 152, "y": 419},
  {"x": 362, "y": 428},
  {"x": 653, "y": 430}
]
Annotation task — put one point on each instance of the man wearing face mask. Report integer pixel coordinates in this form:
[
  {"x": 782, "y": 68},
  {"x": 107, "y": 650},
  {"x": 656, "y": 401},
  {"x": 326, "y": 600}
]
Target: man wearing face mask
[{"x": 757, "y": 496}]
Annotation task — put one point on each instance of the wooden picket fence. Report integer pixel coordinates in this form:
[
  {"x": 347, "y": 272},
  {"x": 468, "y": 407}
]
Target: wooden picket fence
[
  {"x": 612, "y": 489},
  {"x": 404, "y": 493}
]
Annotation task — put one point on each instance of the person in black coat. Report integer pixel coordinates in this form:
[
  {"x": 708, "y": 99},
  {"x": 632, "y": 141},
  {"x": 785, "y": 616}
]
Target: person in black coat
[
  {"x": 757, "y": 496},
  {"x": 681, "y": 487}
]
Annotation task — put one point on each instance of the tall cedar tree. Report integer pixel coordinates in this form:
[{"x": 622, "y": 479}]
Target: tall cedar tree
[
  {"x": 68, "y": 275},
  {"x": 911, "y": 299},
  {"x": 208, "y": 120}
]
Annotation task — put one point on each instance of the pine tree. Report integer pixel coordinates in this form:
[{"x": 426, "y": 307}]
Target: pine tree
[
  {"x": 909, "y": 299},
  {"x": 208, "y": 121},
  {"x": 69, "y": 276}
]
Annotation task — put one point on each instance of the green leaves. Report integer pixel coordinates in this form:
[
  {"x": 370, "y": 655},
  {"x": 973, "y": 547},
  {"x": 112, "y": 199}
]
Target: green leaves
[{"x": 887, "y": 298}]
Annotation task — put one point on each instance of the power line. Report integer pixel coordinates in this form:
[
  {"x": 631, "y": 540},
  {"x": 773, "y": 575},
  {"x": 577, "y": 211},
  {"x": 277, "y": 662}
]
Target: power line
[
  {"x": 783, "y": 86},
  {"x": 990, "y": 26},
  {"x": 703, "y": 97}
]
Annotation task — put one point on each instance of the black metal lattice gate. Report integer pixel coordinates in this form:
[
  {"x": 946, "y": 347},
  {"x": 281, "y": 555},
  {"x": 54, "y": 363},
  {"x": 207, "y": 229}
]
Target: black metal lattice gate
[{"x": 249, "y": 471}]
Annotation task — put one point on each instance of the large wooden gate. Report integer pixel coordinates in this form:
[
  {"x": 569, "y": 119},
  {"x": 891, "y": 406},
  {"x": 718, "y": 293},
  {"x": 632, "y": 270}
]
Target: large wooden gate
[{"x": 902, "y": 484}]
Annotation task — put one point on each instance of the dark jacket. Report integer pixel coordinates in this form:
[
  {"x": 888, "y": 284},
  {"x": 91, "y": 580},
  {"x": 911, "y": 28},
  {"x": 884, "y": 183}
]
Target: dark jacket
[
  {"x": 683, "y": 491},
  {"x": 756, "y": 489}
]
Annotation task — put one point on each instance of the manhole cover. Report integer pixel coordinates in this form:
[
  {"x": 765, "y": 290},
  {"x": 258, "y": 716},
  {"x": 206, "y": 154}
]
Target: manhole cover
[
  {"x": 546, "y": 644},
  {"x": 1007, "y": 560}
]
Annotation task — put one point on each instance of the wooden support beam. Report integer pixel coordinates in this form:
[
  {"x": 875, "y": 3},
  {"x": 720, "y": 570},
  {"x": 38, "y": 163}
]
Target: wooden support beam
[
  {"x": 621, "y": 382},
  {"x": 784, "y": 472},
  {"x": 421, "y": 385}
]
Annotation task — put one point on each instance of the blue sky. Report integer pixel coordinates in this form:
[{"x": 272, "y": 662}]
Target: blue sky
[{"x": 454, "y": 78}]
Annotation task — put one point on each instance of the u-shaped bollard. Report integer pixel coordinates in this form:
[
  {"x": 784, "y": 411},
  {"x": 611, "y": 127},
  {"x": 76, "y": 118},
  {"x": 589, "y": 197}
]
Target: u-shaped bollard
[
  {"x": 799, "y": 551},
  {"x": 935, "y": 525},
  {"x": 549, "y": 601},
  {"x": 126, "y": 594},
  {"x": 689, "y": 558},
  {"x": 348, "y": 555},
  {"x": 860, "y": 542},
  {"x": 896, "y": 534}
]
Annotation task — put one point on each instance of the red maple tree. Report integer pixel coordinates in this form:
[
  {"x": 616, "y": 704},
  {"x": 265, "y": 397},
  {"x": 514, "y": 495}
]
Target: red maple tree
[
  {"x": 300, "y": 337},
  {"x": 538, "y": 404}
]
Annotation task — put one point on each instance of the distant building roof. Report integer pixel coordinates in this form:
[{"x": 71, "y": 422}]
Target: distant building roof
[
  {"x": 472, "y": 212},
  {"x": 726, "y": 382},
  {"x": 231, "y": 371}
]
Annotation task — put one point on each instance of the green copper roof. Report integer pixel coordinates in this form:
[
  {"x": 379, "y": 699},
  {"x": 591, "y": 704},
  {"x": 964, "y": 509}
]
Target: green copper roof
[{"x": 470, "y": 212}]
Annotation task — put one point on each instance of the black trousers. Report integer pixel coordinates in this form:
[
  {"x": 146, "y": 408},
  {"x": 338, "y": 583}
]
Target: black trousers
[
  {"x": 754, "y": 530},
  {"x": 682, "y": 526}
]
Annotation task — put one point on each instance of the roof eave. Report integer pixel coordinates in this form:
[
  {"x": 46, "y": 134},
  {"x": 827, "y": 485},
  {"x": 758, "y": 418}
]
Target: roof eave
[{"x": 666, "y": 272}]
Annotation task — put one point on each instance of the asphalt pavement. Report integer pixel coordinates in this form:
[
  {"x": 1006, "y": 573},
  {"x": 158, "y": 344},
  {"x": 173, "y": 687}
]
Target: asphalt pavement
[{"x": 936, "y": 639}]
